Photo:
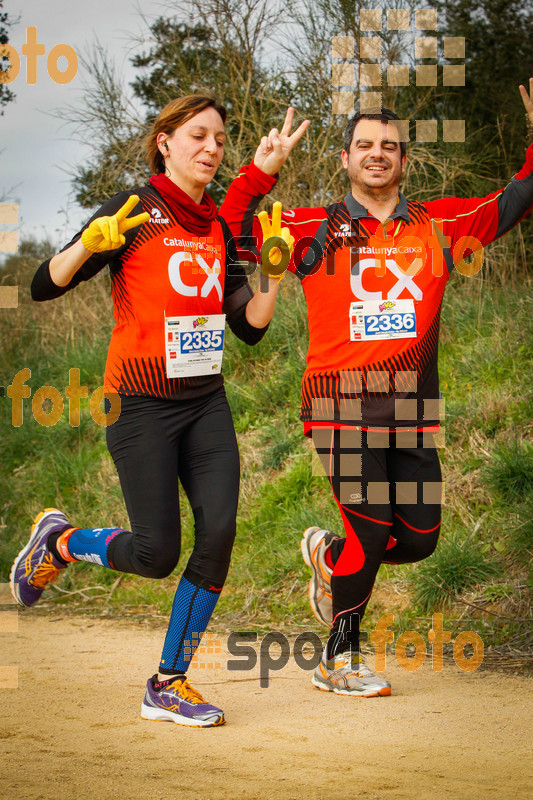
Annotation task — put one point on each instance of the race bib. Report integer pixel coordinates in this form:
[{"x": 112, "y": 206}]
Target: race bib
[
  {"x": 194, "y": 345},
  {"x": 382, "y": 319}
]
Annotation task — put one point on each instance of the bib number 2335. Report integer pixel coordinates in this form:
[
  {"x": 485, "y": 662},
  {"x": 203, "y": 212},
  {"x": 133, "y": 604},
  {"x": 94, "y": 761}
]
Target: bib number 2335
[{"x": 194, "y": 345}]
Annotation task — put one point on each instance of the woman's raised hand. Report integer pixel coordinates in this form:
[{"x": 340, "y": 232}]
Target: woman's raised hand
[
  {"x": 274, "y": 149},
  {"x": 107, "y": 233}
]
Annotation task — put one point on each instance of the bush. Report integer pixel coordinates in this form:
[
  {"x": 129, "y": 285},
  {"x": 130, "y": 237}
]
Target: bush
[
  {"x": 510, "y": 472},
  {"x": 457, "y": 564}
]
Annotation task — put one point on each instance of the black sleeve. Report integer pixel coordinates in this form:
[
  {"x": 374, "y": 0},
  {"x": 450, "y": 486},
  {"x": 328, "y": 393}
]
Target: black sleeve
[
  {"x": 237, "y": 294},
  {"x": 43, "y": 287}
]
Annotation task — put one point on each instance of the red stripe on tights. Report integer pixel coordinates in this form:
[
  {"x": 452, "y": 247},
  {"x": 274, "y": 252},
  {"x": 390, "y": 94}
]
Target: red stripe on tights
[{"x": 418, "y": 530}]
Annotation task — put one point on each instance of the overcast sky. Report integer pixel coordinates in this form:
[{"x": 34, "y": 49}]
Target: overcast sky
[{"x": 35, "y": 147}]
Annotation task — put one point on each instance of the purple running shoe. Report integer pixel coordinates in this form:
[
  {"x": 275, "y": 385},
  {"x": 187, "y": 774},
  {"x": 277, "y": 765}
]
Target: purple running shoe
[
  {"x": 176, "y": 701},
  {"x": 35, "y": 566}
]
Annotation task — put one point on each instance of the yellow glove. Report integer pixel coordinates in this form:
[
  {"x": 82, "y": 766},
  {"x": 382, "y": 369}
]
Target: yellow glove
[
  {"x": 278, "y": 244},
  {"x": 107, "y": 233}
]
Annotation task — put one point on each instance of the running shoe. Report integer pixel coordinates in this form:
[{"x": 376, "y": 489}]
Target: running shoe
[
  {"x": 314, "y": 544},
  {"x": 35, "y": 566},
  {"x": 348, "y": 674},
  {"x": 176, "y": 701}
]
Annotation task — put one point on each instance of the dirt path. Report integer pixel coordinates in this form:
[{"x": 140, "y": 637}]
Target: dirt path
[{"x": 72, "y": 729}]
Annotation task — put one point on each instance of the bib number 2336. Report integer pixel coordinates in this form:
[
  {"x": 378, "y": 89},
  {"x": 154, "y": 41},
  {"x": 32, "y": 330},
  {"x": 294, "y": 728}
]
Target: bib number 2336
[{"x": 389, "y": 319}]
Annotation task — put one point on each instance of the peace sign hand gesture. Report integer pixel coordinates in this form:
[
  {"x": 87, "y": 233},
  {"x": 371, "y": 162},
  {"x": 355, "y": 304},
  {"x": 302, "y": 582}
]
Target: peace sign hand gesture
[
  {"x": 107, "y": 233},
  {"x": 274, "y": 149},
  {"x": 528, "y": 101}
]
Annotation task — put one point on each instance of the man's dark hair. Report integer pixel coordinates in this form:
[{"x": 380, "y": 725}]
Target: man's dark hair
[{"x": 385, "y": 115}]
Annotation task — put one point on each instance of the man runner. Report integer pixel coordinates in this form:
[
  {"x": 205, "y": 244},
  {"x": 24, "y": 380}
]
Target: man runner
[{"x": 373, "y": 269}]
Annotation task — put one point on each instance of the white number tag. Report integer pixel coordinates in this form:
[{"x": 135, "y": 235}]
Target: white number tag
[
  {"x": 194, "y": 345},
  {"x": 382, "y": 319}
]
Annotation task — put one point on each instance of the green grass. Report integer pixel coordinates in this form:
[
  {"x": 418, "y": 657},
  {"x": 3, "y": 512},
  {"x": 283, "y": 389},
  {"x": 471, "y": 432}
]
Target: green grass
[
  {"x": 487, "y": 540},
  {"x": 485, "y": 359},
  {"x": 509, "y": 473},
  {"x": 522, "y": 532},
  {"x": 457, "y": 565}
]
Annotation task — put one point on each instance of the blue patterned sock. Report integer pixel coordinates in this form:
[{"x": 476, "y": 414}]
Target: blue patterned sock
[
  {"x": 191, "y": 611},
  {"x": 91, "y": 544}
]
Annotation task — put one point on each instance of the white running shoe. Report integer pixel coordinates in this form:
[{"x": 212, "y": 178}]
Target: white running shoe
[
  {"x": 348, "y": 674},
  {"x": 315, "y": 541}
]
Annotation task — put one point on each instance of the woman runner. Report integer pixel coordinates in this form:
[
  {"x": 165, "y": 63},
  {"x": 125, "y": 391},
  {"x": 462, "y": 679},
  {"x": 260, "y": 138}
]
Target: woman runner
[{"x": 176, "y": 279}]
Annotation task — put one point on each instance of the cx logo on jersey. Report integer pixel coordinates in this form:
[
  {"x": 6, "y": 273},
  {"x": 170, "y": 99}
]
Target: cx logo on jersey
[
  {"x": 211, "y": 282},
  {"x": 404, "y": 281}
]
